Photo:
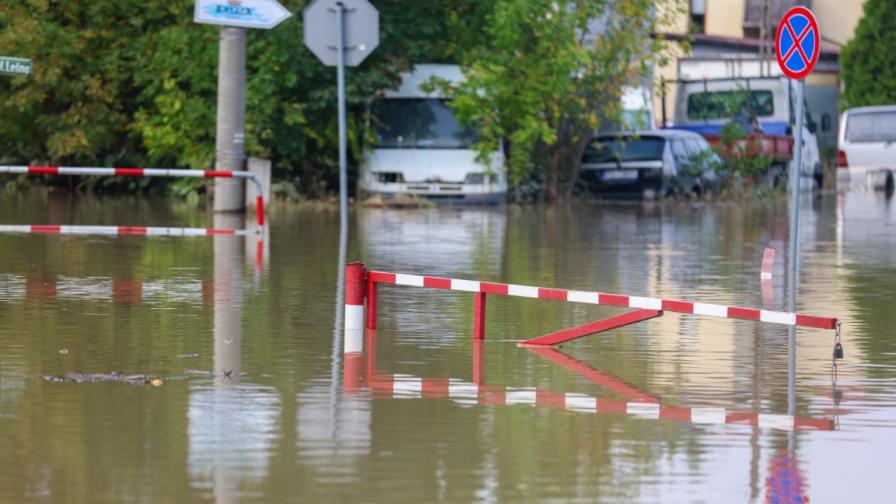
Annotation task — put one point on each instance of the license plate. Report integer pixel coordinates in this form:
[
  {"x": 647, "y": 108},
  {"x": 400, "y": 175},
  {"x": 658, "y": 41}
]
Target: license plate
[{"x": 620, "y": 175}]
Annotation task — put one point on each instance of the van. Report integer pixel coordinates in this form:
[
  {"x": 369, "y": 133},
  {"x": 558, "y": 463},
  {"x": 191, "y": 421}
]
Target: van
[
  {"x": 867, "y": 147},
  {"x": 705, "y": 106},
  {"x": 421, "y": 149}
]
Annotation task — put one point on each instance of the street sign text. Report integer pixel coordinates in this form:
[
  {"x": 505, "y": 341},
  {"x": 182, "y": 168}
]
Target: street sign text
[
  {"x": 15, "y": 66},
  {"x": 263, "y": 14}
]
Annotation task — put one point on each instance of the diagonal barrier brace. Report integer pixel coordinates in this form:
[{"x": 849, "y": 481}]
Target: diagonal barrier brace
[{"x": 595, "y": 327}]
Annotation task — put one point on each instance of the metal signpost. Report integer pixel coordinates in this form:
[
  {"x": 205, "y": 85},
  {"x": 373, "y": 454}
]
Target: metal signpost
[
  {"x": 797, "y": 46},
  {"x": 356, "y": 35},
  {"x": 234, "y": 16},
  {"x": 15, "y": 66}
]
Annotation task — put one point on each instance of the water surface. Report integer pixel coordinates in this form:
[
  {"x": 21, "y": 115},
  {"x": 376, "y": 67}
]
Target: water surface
[{"x": 257, "y": 406}]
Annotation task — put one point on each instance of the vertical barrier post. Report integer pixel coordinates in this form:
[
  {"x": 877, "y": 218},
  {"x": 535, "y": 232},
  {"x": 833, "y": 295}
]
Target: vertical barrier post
[
  {"x": 355, "y": 279},
  {"x": 371, "y": 306},
  {"x": 479, "y": 316},
  {"x": 478, "y": 362}
]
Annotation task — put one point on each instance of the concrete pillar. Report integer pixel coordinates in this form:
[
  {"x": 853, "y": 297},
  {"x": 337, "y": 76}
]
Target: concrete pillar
[{"x": 230, "y": 151}]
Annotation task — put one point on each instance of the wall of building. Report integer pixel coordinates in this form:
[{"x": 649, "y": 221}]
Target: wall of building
[
  {"x": 725, "y": 18},
  {"x": 837, "y": 19}
]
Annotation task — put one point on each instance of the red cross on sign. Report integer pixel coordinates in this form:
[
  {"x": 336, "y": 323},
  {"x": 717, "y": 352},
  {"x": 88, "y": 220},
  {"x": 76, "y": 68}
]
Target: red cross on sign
[{"x": 797, "y": 43}]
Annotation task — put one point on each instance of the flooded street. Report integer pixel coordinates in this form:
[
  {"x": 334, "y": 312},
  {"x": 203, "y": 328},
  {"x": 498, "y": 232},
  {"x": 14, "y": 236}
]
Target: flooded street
[{"x": 257, "y": 404}]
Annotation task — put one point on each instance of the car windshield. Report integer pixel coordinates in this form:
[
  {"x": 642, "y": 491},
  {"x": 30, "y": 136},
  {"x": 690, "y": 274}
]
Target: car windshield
[
  {"x": 871, "y": 127},
  {"x": 613, "y": 149},
  {"x": 727, "y": 104},
  {"x": 418, "y": 123}
]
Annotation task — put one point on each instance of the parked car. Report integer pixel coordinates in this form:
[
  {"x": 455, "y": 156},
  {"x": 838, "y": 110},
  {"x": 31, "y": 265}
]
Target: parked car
[
  {"x": 650, "y": 163},
  {"x": 867, "y": 146}
]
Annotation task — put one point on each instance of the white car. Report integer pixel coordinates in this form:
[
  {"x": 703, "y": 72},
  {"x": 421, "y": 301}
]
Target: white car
[{"x": 867, "y": 143}]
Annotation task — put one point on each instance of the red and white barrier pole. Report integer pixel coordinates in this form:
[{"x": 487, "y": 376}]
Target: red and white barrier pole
[
  {"x": 355, "y": 285},
  {"x": 146, "y": 172},
  {"x": 768, "y": 263},
  {"x": 119, "y": 230}
]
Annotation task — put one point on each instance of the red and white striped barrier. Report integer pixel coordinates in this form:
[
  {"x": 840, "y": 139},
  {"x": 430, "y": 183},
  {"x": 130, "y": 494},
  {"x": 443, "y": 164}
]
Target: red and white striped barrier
[
  {"x": 600, "y": 298},
  {"x": 120, "y": 230},
  {"x": 146, "y": 172},
  {"x": 361, "y": 287},
  {"x": 768, "y": 263},
  {"x": 354, "y": 308}
]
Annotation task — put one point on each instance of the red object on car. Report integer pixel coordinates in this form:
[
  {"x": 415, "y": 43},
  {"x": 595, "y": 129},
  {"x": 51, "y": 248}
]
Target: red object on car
[{"x": 842, "y": 162}]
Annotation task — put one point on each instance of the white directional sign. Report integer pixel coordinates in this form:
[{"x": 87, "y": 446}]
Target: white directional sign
[
  {"x": 361, "y": 30},
  {"x": 264, "y": 14},
  {"x": 15, "y": 66}
]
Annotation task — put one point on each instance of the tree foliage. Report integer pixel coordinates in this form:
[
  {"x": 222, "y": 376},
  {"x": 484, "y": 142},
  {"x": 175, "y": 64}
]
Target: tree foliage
[
  {"x": 135, "y": 83},
  {"x": 868, "y": 61},
  {"x": 548, "y": 74}
]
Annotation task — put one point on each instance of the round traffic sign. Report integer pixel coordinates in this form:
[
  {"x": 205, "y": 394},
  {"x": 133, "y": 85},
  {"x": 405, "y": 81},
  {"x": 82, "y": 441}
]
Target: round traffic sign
[{"x": 797, "y": 43}]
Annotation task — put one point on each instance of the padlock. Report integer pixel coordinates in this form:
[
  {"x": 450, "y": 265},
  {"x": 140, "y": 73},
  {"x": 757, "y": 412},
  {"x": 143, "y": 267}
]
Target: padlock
[{"x": 838, "y": 351}]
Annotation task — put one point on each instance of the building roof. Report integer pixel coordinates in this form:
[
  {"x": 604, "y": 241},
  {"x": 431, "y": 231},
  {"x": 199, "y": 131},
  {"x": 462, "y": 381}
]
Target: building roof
[{"x": 736, "y": 43}]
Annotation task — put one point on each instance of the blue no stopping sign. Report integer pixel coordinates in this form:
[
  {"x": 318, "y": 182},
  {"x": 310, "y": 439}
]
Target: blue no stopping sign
[{"x": 797, "y": 43}]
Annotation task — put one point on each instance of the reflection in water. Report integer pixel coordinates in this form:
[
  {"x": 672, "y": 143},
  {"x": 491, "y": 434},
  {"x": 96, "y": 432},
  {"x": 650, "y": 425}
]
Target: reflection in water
[
  {"x": 333, "y": 429},
  {"x": 232, "y": 426}
]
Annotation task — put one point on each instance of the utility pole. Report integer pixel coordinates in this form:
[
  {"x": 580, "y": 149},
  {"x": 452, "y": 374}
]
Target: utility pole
[{"x": 230, "y": 152}]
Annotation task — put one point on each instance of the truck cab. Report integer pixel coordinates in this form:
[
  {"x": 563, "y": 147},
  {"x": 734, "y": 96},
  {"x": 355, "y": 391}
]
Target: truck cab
[
  {"x": 422, "y": 150},
  {"x": 766, "y": 108}
]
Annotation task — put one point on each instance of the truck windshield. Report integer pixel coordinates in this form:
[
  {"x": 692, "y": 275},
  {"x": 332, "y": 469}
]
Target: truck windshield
[
  {"x": 871, "y": 127},
  {"x": 727, "y": 104},
  {"x": 616, "y": 149},
  {"x": 418, "y": 123}
]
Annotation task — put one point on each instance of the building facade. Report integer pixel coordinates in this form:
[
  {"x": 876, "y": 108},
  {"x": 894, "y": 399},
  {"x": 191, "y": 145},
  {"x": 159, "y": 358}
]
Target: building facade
[{"x": 734, "y": 38}]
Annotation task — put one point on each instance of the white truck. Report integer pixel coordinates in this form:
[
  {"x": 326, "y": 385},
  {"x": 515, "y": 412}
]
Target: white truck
[
  {"x": 422, "y": 150},
  {"x": 765, "y": 105}
]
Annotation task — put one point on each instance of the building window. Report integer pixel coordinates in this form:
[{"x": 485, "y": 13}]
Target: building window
[{"x": 698, "y": 16}]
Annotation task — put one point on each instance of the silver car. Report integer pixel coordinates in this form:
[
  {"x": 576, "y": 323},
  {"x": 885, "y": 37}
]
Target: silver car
[{"x": 650, "y": 163}]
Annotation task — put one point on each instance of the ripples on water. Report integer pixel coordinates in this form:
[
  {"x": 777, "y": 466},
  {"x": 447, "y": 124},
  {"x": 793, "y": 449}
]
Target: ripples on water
[{"x": 678, "y": 408}]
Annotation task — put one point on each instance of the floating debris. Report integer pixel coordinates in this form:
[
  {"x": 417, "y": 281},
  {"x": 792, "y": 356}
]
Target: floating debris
[{"x": 103, "y": 377}]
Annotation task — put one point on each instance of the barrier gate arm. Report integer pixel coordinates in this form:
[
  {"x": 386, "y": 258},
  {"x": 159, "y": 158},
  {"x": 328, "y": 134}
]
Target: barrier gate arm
[
  {"x": 367, "y": 281},
  {"x": 147, "y": 172}
]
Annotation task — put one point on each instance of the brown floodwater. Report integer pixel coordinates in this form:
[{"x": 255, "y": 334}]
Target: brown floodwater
[{"x": 256, "y": 403}]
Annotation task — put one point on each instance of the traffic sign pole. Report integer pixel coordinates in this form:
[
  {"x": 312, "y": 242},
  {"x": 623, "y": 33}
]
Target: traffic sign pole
[
  {"x": 796, "y": 172},
  {"x": 340, "y": 84}
]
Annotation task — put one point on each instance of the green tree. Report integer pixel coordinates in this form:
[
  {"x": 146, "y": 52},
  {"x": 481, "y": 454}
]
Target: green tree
[
  {"x": 134, "y": 83},
  {"x": 868, "y": 61},
  {"x": 549, "y": 73}
]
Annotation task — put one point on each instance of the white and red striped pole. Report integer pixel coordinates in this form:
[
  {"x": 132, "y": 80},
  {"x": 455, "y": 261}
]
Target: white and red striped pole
[
  {"x": 146, "y": 172},
  {"x": 355, "y": 285},
  {"x": 119, "y": 230}
]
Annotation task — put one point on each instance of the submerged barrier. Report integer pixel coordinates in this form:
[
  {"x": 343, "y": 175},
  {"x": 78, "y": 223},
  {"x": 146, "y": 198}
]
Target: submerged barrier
[
  {"x": 361, "y": 288},
  {"x": 146, "y": 172}
]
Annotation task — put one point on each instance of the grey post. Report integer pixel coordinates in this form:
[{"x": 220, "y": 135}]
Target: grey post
[
  {"x": 229, "y": 145},
  {"x": 340, "y": 78},
  {"x": 795, "y": 190},
  {"x": 796, "y": 172}
]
